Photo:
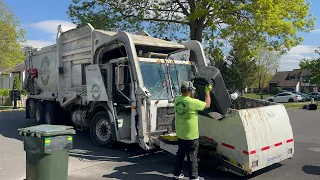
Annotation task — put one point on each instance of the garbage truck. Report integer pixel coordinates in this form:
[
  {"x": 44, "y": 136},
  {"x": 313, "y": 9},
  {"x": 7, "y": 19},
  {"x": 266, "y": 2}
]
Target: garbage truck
[{"x": 121, "y": 87}]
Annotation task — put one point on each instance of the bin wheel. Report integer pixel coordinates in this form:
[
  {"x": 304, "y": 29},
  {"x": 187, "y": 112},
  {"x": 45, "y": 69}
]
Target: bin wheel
[
  {"x": 39, "y": 112},
  {"x": 31, "y": 109},
  {"x": 50, "y": 114},
  {"x": 101, "y": 130}
]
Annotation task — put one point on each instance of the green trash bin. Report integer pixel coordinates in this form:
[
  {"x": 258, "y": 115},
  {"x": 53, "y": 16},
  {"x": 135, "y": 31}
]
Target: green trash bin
[{"x": 47, "y": 151}]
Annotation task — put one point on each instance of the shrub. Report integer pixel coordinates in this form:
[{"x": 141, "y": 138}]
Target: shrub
[
  {"x": 16, "y": 82},
  {"x": 4, "y": 92},
  {"x": 275, "y": 90}
]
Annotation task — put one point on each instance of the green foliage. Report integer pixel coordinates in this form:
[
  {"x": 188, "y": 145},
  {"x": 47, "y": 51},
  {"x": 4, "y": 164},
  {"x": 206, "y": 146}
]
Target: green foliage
[
  {"x": 4, "y": 92},
  {"x": 240, "y": 23},
  {"x": 11, "y": 36},
  {"x": 275, "y": 90},
  {"x": 16, "y": 82},
  {"x": 237, "y": 69},
  {"x": 314, "y": 67}
]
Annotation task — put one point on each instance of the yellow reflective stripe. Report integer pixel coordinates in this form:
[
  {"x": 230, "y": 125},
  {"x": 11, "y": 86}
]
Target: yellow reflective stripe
[
  {"x": 47, "y": 141},
  {"x": 69, "y": 138}
]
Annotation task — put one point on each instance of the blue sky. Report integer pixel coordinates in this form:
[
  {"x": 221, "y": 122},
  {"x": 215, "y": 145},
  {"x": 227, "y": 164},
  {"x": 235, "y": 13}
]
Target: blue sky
[{"x": 40, "y": 19}]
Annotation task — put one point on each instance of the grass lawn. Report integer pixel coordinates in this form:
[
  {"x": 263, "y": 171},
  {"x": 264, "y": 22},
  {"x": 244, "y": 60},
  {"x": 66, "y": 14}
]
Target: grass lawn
[
  {"x": 256, "y": 96},
  {"x": 295, "y": 104}
]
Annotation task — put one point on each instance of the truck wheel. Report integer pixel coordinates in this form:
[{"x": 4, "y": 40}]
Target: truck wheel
[
  {"x": 39, "y": 112},
  {"x": 50, "y": 114},
  {"x": 270, "y": 100},
  {"x": 30, "y": 109},
  {"x": 101, "y": 130},
  {"x": 291, "y": 100}
]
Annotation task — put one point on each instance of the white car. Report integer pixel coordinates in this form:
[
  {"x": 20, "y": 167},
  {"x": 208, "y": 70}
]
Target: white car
[{"x": 285, "y": 97}]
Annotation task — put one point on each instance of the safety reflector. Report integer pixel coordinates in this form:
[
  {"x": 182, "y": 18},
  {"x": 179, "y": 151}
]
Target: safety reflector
[
  {"x": 278, "y": 144},
  {"x": 228, "y": 146},
  {"x": 208, "y": 138},
  {"x": 249, "y": 153},
  {"x": 265, "y": 148},
  {"x": 289, "y": 140}
]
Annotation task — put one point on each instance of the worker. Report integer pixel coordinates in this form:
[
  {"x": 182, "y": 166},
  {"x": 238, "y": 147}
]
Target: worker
[{"x": 186, "y": 121}]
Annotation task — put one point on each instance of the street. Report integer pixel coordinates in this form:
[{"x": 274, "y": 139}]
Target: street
[{"x": 130, "y": 162}]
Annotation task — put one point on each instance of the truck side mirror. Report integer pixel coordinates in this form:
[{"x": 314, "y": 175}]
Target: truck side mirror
[{"x": 120, "y": 77}]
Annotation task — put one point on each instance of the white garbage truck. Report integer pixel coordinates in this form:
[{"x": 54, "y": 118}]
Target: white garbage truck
[{"x": 121, "y": 87}]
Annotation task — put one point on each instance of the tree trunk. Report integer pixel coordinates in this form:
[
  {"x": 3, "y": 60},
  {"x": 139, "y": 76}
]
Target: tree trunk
[{"x": 196, "y": 29}]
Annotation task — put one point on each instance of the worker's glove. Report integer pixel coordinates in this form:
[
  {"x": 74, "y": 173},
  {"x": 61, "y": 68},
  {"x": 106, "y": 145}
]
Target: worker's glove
[{"x": 208, "y": 88}]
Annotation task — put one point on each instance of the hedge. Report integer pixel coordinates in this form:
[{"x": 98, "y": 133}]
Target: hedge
[{"x": 6, "y": 92}]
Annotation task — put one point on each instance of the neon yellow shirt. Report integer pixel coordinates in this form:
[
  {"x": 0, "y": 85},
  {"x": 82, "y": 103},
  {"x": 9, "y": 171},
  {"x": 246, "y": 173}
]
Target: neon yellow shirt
[{"x": 186, "y": 117}]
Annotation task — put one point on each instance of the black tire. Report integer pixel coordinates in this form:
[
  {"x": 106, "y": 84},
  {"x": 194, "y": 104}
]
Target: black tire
[
  {"x": 270, "y": 100},
  {"x": 30, "y": 109},
  {"x": 291, "y": 100},
  {"x": 39, "y": 112},
  {"x": 101, "y": 130},
  {"x": 50, "y": 114}
]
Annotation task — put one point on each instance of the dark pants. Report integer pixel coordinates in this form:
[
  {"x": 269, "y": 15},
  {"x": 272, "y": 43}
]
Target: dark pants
[{"x": 189, "y": 148}]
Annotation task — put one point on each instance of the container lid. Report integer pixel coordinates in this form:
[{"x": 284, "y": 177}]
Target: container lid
[{"x": 46, "y": 130}]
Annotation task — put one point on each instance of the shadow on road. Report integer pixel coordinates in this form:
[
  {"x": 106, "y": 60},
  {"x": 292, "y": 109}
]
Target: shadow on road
[
  {"x": 315, "y": 170},
  {"x": 10, "y": 122}
]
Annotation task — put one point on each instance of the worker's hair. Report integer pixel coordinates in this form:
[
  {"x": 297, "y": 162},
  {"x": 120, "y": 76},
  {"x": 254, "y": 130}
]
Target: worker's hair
[{"x": 184, "y": 90}]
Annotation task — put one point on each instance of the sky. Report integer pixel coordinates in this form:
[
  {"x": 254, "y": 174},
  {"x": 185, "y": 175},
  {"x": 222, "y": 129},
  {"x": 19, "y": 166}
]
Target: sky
[{"x": 40, "y": 19}]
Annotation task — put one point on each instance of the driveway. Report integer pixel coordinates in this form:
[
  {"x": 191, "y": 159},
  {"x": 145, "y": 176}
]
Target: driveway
[{"x": 130, "y": 162}]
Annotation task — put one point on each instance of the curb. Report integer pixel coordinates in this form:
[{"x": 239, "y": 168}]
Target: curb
[{"x": 12, "y": 110}]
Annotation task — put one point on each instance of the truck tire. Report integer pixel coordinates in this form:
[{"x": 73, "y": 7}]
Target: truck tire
[
  {"x": 101, "y": 130},
  {"x": 30, "y": 109},
  {"x": 39, "y": 112},
  {"x": 50, "y": 114}
]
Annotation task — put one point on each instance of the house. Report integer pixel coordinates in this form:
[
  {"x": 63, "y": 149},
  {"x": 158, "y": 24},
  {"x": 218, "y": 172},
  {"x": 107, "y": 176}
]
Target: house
[
  {"x": 7, "y": 76},
  {"x": 295, "y": 80}
]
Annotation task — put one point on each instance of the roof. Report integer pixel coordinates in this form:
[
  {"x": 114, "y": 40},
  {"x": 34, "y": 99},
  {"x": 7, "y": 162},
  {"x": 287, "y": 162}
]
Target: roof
[
  {"x": 295, "y": 72},
  {"x": 15, "y": 69},
  {"x": 280, "y": 79},
  {"x": 305, "y": 72}
]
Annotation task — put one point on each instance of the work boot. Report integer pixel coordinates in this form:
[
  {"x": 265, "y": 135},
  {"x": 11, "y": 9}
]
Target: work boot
[{"x": 178, "y": 177}]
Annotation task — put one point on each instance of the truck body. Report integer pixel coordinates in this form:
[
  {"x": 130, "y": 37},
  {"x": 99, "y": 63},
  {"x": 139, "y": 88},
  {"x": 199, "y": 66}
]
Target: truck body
[{"x": 122, "y": 86}]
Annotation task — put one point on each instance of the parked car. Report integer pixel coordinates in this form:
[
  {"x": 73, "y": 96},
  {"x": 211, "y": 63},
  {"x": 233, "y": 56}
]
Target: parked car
[
  {"x": 305, "y": 97},
  {"x": 285, "y": 97},
  {"x": 315, "y": 95}
]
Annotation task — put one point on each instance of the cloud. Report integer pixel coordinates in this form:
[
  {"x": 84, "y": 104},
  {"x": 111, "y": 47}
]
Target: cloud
[
  {"x": 303, "y": 49},
  {"x": 292, "y": 59},
  {"x": 316, "y": 31},
  {"x": 51, "y": 26},
  {"x": 39, "y": 43}
]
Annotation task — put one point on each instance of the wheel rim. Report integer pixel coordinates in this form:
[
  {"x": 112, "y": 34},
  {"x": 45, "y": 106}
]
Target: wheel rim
[
  {"x": 31, "y": 109},
  {"x": 37, "y": 114},
  {"x": 48, "y": 117},
  {"x": 103, "y": 130}
]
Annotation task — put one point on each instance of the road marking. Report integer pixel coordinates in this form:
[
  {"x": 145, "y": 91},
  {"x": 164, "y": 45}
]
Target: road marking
[{"x": 314, "y": 149}]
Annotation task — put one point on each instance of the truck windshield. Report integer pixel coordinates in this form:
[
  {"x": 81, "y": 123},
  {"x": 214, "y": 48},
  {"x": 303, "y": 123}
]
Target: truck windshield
[
  {"x": 155, "y": 78},
  {"x": 180, "y": 73}
]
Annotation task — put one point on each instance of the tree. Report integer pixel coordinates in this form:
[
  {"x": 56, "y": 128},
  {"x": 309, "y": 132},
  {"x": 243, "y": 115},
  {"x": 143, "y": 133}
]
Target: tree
[
  {"x": 11, "y": 38},
  {"x": 267, "y": 61},
  {"x": 237, "y": 21},
  {"x": 314, "y": 67},
  {"x": 16, "y": 82}
]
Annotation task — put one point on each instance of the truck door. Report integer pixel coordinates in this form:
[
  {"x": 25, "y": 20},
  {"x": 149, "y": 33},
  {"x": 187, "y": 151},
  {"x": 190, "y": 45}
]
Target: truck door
[{"x": 123, "y": 95}]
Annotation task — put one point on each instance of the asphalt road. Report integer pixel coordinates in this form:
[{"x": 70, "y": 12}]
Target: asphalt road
[{"x": 130, "y": 162}]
